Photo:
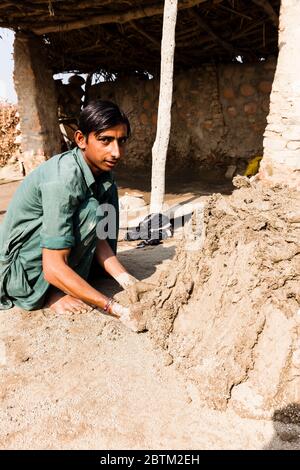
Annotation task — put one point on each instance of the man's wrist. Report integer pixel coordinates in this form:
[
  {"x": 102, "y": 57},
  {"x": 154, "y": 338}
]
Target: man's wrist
[
  {"x": 108, "y": 305},
  {"x": 125, "y": 280}
]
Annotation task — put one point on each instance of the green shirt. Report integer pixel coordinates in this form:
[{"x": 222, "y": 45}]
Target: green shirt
[{"x": 40, "y": 215}]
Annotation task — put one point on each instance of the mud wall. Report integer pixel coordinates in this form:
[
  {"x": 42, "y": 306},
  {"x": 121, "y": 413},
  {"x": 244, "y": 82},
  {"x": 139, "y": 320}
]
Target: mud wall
[
  {"x": 37, "y": 102},
  {"x": 218, "y": 114},
  {"x": 281, "y": 160}
]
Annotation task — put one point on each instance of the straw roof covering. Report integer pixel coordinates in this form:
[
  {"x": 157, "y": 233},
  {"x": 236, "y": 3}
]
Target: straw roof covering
[{"x": 123, "y": 36}]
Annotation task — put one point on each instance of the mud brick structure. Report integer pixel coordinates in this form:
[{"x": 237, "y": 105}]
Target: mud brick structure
[{"x": 225, "y": 61}]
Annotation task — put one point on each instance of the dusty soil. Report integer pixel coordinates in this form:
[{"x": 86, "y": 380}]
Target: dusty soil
[
  {"x": 227, "y": 307},
  {"x": 85, "y": 381}
]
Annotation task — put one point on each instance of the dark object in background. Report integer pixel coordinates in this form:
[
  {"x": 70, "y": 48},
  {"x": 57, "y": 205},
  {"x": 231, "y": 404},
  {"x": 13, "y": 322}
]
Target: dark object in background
[
  {"x": 148, "y": 243},
  {"x": 153, "y": 229}
]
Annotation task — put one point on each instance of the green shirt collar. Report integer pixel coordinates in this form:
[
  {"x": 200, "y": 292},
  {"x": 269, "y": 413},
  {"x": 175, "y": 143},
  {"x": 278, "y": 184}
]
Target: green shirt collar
[{"x": 106, "y": 178}]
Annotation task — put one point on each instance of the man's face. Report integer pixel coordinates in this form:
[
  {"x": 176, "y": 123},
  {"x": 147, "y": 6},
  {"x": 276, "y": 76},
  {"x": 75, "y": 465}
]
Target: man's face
[{"x": 102, "y": 151}]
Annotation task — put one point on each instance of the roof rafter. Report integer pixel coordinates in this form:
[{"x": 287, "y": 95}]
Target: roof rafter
[
  {"x": 268, "y": 9},
  {"x": 133, "y": 14},
  {"x": 205, "y": 26}
]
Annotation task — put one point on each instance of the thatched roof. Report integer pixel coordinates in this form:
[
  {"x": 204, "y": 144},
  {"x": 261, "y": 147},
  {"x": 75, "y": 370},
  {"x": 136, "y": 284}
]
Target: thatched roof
[{"x": 124, "y": 36}]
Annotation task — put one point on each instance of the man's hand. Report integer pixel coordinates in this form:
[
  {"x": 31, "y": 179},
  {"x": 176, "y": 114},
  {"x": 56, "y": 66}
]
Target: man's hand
[
  {"x": 126, "y": 280},
  {"x": 135, "y": 291},
  {"x": 133, "y": 287},
  {"x": 129, "y": 316}
]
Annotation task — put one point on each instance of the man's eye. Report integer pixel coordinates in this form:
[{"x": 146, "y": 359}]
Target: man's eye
[
  {"x": 105, "y": 140},
  {"x": 123, "y": 140}
]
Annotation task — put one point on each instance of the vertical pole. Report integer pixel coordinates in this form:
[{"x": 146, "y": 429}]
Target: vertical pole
[{"x": 160, "y": 147}]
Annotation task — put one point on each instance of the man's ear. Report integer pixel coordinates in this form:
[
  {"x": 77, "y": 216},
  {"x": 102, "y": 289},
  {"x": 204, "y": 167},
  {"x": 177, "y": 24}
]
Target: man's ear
[{"x": 80, "y": 139}]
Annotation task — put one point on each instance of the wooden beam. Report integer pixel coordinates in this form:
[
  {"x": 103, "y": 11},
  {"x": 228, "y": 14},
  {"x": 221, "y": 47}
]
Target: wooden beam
[
  {"x": 133, "y": 14},
  {"x": 145, "y": 35},
  {"x": 5, "y": 5},
  {"x": 83, "y": 3},
  {"x": 203, "y": 25},
  {"x": 155, "y": 42},
  {"x": 231, "y": 10},
  {"x": 269, "y": 10}
]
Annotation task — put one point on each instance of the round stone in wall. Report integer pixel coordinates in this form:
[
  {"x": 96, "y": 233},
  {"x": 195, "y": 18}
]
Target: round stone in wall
[
  {"x": 250, "y": 108},
  {"x": 231, "y": 110},
  {"x": 228, "y": 93},
  {"x": 144, "y": 119},
  {"x": 247, "y": 89},
  {"x": 265, "y": 87},
  {"x": 147, "y": 104},
  {"x": 270, "y": 64}
]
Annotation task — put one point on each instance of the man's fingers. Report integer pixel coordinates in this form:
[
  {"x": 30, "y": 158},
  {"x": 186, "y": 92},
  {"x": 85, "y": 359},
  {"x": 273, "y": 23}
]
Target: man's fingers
[
  {"x": 133, "y": 294},
  {"x": 135, "y": 291},
  {"x": 143, "y": 287},
  {"x": 133, "y": 319},
  {"x": 136, "y": 312},
  {"x": 129, "y": 316}
]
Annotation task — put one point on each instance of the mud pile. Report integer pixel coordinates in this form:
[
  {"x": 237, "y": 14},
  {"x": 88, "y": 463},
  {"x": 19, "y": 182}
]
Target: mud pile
[
  {"x": 227, "y": 311},
  {"x": 9, "y": 120}
]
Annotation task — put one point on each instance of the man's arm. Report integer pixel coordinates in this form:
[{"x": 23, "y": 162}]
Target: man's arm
[
  {"x": 59, "y": 274},
  {"x": 109, "y": 261},
  {"x": 106, "y": 249}
]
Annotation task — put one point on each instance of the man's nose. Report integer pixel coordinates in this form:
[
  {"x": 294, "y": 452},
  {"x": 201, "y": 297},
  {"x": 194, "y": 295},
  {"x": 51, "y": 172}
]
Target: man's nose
[{"x": 115, "y": 149}]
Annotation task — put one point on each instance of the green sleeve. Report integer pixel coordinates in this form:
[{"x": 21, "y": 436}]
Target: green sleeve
[{"x": 59, "y": 202}]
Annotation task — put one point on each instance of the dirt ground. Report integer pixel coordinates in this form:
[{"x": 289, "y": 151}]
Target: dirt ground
[{"x": 86, "y": 382}]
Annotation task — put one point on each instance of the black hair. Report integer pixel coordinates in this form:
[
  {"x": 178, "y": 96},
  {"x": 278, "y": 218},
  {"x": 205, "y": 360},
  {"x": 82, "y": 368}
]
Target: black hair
[{"x": 100, "y": 115}]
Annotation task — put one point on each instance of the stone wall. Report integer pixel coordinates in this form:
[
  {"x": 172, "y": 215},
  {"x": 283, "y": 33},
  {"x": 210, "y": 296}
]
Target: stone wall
[
  {"x": 281, "y": 160},
  {"x": 218, "y": 115},
  {"x": 37, "y": 102}
]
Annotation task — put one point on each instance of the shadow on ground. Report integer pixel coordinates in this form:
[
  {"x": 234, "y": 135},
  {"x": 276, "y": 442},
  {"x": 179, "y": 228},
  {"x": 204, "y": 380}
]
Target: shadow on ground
[
  {"x": 286, "y": 423},
  {"x": 141, "y": 263},
  {"x": 177, "y": 184}
]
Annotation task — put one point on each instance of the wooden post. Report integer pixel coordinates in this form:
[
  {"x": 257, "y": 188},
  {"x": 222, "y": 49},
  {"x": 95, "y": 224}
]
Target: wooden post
[{"x": 160, "y": 147}]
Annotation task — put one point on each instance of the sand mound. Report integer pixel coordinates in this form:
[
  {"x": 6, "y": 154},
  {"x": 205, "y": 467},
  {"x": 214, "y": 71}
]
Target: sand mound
[{"x": 228, "y": 312}]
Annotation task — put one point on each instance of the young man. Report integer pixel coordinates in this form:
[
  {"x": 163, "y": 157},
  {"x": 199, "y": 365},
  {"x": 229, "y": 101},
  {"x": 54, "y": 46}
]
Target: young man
[{"x": 48, "y": 239}]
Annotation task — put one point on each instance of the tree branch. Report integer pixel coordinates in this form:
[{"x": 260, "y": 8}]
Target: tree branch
[{"x": 133, "y": 14}]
